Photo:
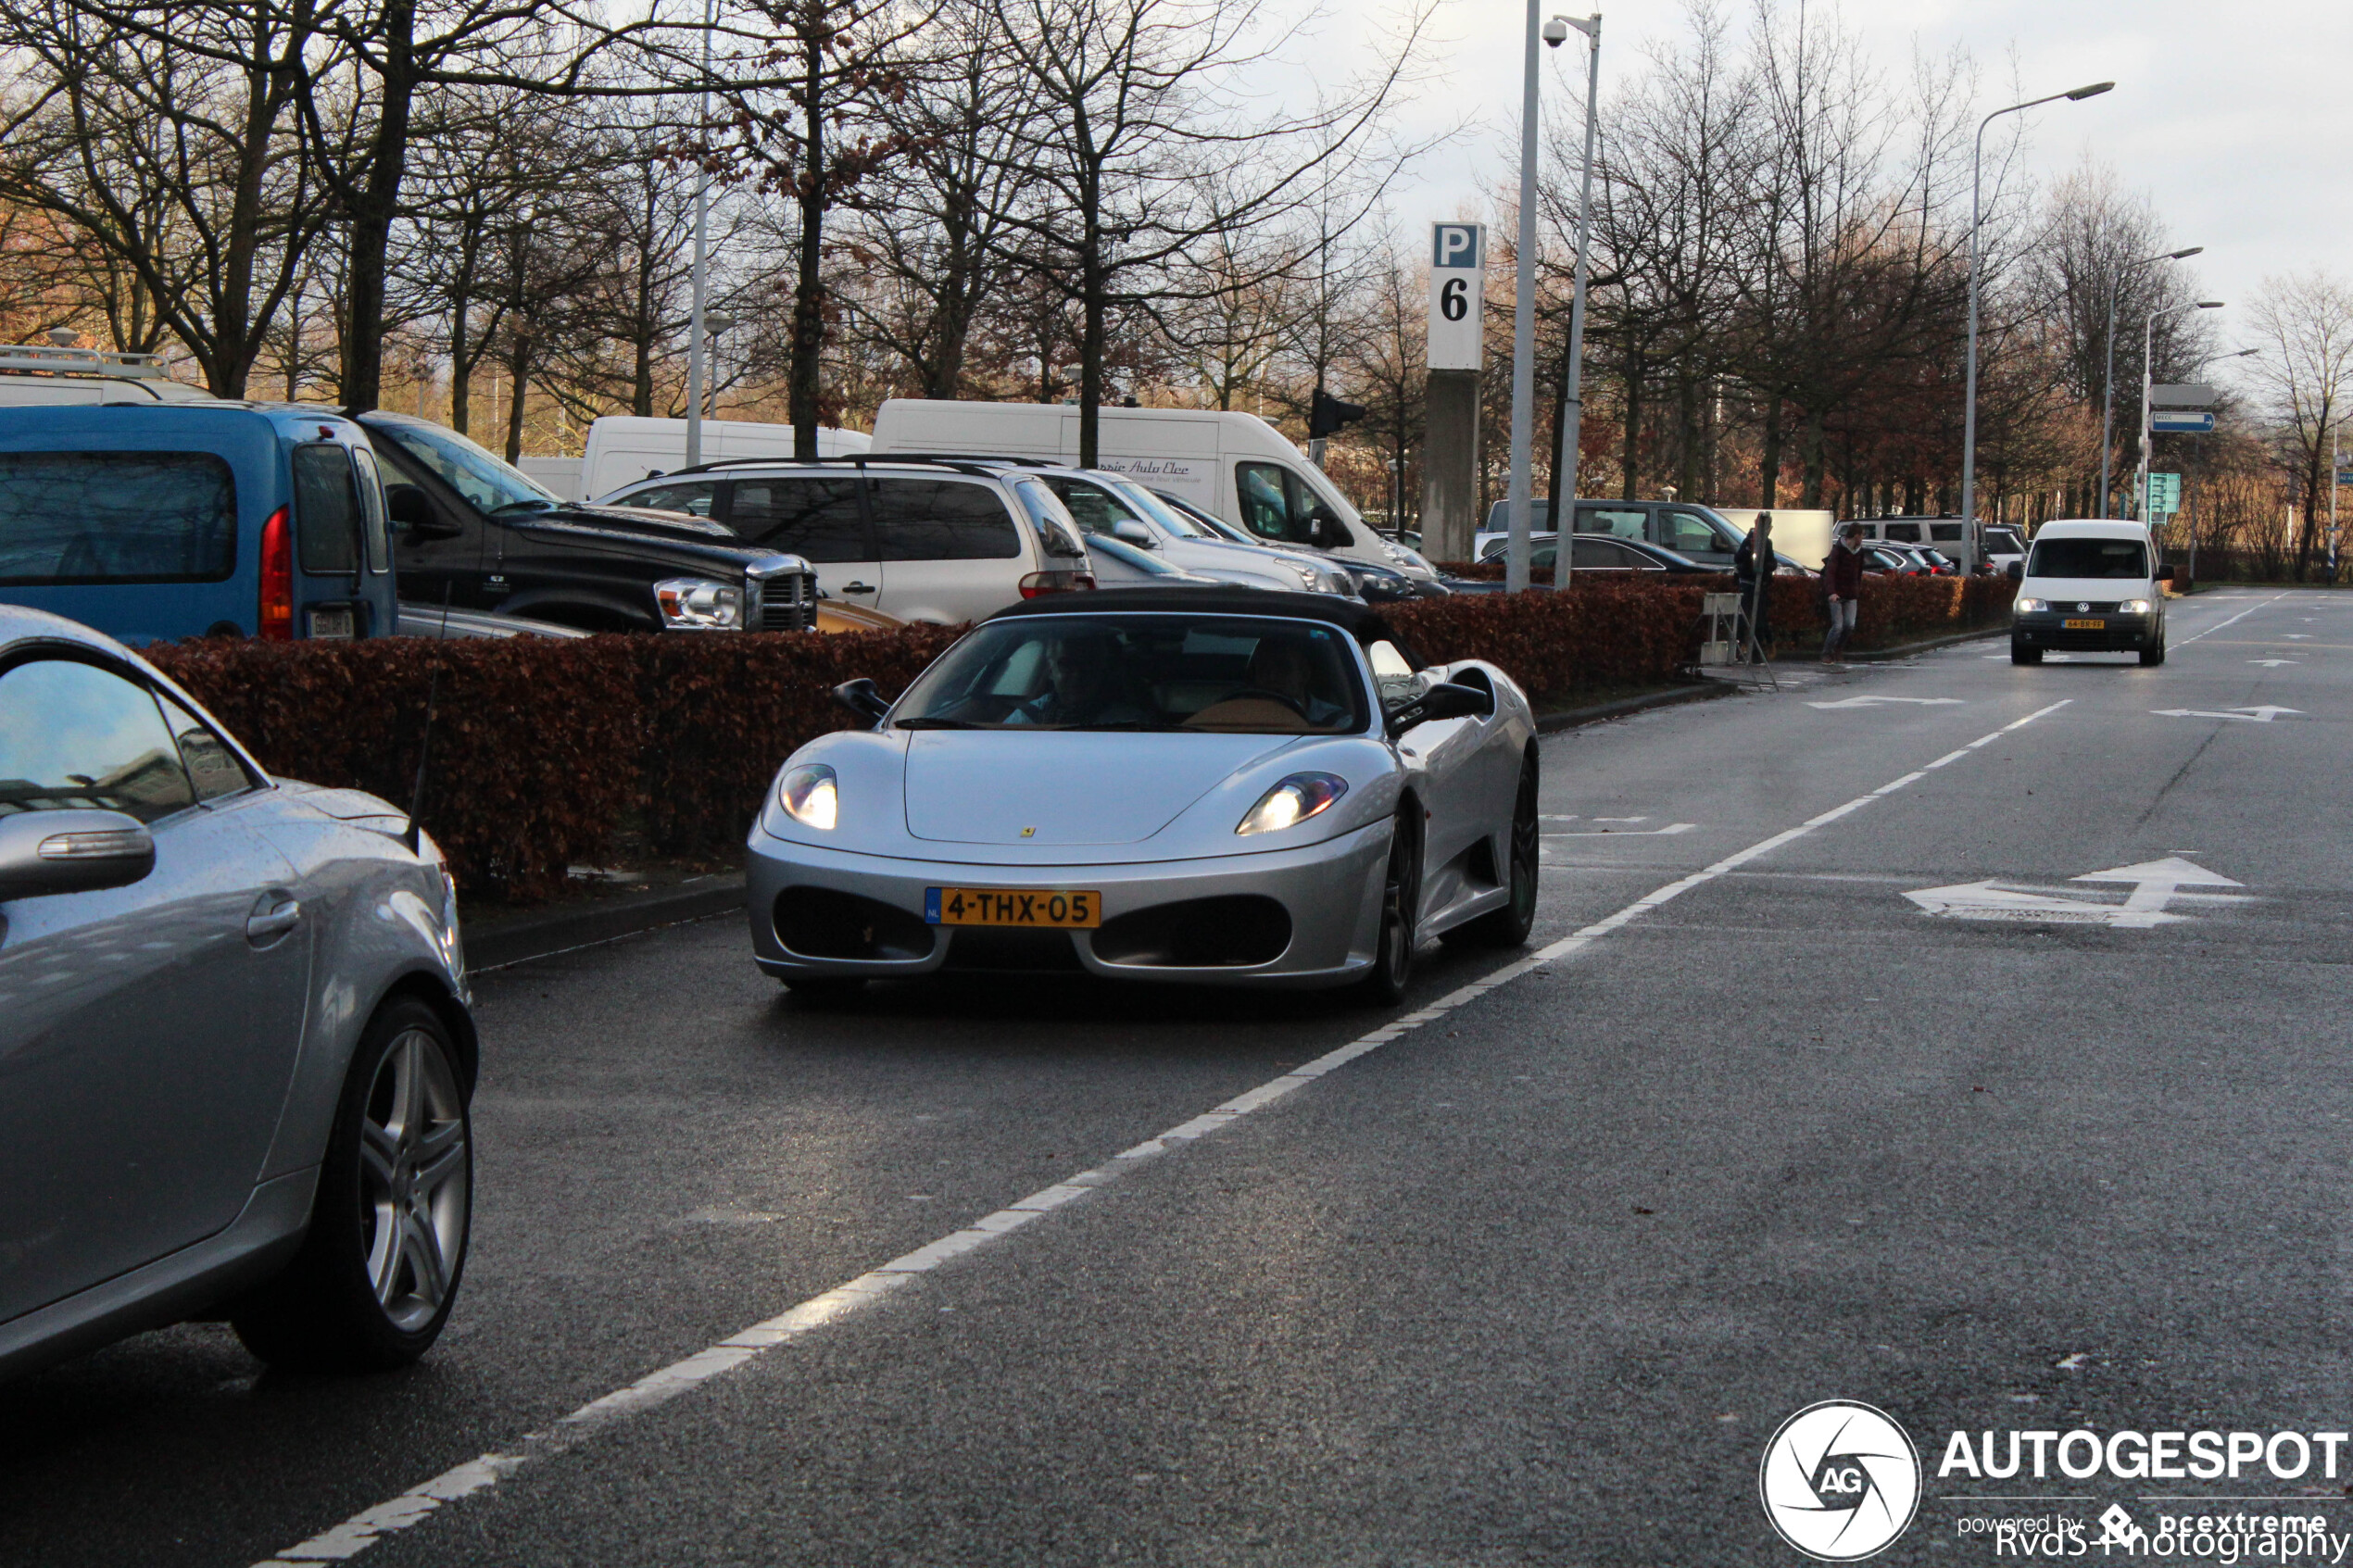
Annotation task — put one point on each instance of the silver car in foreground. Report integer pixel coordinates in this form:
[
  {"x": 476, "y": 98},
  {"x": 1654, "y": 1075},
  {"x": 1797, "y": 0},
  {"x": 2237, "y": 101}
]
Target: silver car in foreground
[
  {"x": 1216, "y": 785},
  {"x": 235, "y": 1054}
]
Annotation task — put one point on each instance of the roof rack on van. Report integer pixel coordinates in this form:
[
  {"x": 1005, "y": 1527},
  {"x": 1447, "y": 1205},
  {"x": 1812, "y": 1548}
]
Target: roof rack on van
[{"x": 84, "y": 362}]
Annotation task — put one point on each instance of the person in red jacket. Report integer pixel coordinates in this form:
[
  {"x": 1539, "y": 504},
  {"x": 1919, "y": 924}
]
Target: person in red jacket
[{"x": 1842, "y": 582}]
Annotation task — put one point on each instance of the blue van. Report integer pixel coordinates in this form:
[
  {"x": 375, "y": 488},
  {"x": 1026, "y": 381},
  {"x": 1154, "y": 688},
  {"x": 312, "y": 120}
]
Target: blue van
[{"x": 153, "y": 522}]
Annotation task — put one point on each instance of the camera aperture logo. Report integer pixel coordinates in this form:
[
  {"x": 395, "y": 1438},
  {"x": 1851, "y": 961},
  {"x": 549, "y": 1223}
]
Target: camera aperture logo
[{"x": 1840, "y": 1481}]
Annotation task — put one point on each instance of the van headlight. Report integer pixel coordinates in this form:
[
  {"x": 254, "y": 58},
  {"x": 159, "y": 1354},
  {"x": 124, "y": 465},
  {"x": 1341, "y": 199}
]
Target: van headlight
[
  {"x": 697, "y": 604},
  {"x": 1291, "y": 802},
  {"x": 2133, "y": 606},
  {"x": 811, "y": 796},
  {"x": 2031, "y": 607}
]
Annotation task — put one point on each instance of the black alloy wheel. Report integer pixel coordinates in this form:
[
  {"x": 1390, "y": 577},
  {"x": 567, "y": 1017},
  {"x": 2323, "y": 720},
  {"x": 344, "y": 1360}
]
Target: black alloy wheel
[
  {"x": 1400, "y": 898},
  {"x": 2155, "y": 655},
  {"x": 1509, "y": 926}
]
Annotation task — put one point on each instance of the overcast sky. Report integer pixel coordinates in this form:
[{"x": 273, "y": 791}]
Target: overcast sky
[{"x": 2235, "y": 119}]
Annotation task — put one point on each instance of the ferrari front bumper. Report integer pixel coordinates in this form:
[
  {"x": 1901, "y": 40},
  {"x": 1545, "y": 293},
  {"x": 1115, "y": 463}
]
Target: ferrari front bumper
[{"x": 1306, "y": 917}]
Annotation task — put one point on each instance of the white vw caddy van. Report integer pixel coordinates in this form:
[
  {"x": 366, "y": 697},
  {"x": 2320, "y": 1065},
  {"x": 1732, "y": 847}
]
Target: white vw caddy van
[
  {"x": 2090, "y": 587},
  {"x": 1232, "y": 465}
]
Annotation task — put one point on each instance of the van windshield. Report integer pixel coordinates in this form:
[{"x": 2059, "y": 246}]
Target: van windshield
[
  {"x": 2120, "y": 559},
  {"x": 115, "y": 517}
]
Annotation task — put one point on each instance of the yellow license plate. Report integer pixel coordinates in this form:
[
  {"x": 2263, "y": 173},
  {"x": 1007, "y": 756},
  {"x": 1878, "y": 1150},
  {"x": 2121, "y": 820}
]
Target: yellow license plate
[
  {"x": 1054, "y": 909},
  {"x": 2087, "y": 625}
]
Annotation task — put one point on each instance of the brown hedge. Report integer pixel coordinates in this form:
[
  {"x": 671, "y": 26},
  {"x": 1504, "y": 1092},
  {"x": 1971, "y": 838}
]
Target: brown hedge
[{"x": 543, "y": 750}]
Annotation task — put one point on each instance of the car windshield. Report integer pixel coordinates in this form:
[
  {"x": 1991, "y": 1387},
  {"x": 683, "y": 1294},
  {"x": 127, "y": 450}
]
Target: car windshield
[
  {"x": 1168, "y": 517},
  {"x": 2122, "y": 558},
  {"x": 487, "y": 483},
  {"x": 1230, "y": 675}
]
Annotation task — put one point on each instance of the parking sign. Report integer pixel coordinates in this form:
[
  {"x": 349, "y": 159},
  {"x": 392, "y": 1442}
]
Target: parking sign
[{"x": 1457, "y": 287}]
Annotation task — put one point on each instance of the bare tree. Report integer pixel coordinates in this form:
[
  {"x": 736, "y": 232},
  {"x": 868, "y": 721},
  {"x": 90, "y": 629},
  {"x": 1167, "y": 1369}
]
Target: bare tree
[{"x": 2305, "y": 321}]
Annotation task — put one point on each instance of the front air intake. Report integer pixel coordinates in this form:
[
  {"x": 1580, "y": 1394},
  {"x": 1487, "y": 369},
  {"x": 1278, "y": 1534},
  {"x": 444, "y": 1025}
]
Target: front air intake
[{"x": 1234, "y": 932}]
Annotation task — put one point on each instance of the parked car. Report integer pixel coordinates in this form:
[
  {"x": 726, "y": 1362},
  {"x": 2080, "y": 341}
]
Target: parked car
[
  {"x": 234, "y": 1026},
  {"x": 1232, "y": 465},
  {"x": 1115, "y": 564},
  {"x": 1374, "y": 583},
  {"x": 480, "y": 535},
  {"x": 46, "y": 374},
  {"x": 623, "y": 448},
  {"x": 1967, "y": 548},
  {"x": 1104, "y": 503},
  {"x": 2003, "y": 547},
  {"x": 2090, "y": 587},
  {"x": 1697, "y": 533},
  {"x": 945, "y": 540},
  {"x": 1600, "y": 552},
  {"x": 194, "y": 518},
  {"x": 1276, "y": 792},
  {"x": 1896, "y": 560}
]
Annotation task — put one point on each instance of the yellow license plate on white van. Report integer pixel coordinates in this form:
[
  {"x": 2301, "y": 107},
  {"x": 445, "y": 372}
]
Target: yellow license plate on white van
[
  {"x": 1052, "y": 909},
  {"x": 2087, "y": 625}
]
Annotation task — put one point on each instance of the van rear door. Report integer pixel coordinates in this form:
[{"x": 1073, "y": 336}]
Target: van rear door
[{"x": 140, "y": 545}]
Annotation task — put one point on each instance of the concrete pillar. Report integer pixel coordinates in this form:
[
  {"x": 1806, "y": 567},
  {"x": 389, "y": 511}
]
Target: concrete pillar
[{"x": 1450, "y": 466}]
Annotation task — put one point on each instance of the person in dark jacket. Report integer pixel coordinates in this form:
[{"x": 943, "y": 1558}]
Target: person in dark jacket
[
  {"x": 1756, "y": 580},
  {"x": 1842, "y": 584}
]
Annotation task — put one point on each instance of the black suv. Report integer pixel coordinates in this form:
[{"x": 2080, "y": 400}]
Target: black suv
[{"x": 478, "y": 534}]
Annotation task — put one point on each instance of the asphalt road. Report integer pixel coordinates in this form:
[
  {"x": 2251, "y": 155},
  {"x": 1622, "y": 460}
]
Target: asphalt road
[{"x": 1531, "y": 1282}]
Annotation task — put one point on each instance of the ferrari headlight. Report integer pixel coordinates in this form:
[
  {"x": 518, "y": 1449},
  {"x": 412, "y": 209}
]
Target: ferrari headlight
[
  {"x": 2134, "y": 606},
  {"x": 811, "y": 796},
  {"x": 2031, "y": 607},
  {"x": 1291, "y": 802},
  {"x": 697, "y": 604}
]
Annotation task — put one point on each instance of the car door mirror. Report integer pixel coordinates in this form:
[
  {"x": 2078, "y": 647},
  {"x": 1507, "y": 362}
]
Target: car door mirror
[
  {"x": 46, "y": 852},
  {"x": 862, "y": 697},
  {"x": 2015, "y": 571},
  {"x": 1446, "y": 700},
  {"x": 412, "y": 514},
  {"x": 2165, "y": 574},
  {"x": 1131, "y": 531},
  {"x": 1325, "y": 530}
]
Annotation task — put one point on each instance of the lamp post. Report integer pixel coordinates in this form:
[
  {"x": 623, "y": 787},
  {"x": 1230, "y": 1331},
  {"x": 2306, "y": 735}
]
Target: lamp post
[
  {"x": 2107, "y": 381},
  {"x": 694, "y": 327},
  {"x": 1523, "y": 324},
  {"x": 1573, "y": 379},
  {"x": 1969, "y": 413},
  {"x": 2148, "y": 347}
]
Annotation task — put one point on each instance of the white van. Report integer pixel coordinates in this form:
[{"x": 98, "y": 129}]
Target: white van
[
  {"x": 1232, "y": 465},
  {"x": 2090, "y": 587},
  {"x": 623, "y": 448}
]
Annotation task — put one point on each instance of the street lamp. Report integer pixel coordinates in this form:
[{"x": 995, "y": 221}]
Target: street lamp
[
  {"x": 2107, "y": 383},
  {"x": 2148, "y": 347},
  {"x": 1969, "y": 415},
  {"x": 1573, "y": 380}
]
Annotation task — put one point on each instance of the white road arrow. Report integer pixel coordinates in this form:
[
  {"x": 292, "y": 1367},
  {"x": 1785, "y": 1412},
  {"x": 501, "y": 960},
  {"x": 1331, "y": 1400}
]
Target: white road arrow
[
  {"x": 2262, "y": 715},
  {"x": 2152, "y": 884},
  {"x": 2274, "y": 663},
  {"x": 2155, "y": 883},
  {"x": 1867, "y": 701}
]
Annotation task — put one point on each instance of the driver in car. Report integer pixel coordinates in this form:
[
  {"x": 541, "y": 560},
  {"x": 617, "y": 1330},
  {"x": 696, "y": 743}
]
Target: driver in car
[
  {"x": 1282, "y": 665},
  {"x": 1082, "y": 687}
]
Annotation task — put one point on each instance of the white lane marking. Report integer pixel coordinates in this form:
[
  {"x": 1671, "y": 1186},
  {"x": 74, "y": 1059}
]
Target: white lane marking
[
  {"x": 2262, "y": 715},
  {"x": 2155, "y": 884},
  {"x": 1627, "y": 833},
  {"x": 412, "y": 1507},
  {"x": 2296, "y": 636},
  {"x": 2233, "y": 621},
  {"x": 1875, "y": 701},
  {"x": 2274, "y": 663}
]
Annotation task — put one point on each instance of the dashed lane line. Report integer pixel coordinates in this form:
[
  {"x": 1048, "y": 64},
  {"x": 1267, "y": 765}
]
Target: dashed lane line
[
  {"x": 419, "y": 1503},
  {"x": 2233, "y": 621}
]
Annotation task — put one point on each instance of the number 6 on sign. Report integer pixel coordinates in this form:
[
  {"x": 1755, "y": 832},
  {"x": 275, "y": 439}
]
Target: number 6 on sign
[{"x": 1457, "y": 283}]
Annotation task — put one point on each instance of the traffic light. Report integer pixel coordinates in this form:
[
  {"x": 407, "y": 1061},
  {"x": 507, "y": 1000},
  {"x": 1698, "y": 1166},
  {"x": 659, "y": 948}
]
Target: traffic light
[{"x": 1327, "y": 415}]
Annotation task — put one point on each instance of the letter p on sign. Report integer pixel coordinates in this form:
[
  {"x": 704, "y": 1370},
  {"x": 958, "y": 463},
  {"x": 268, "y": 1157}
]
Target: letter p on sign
[{"x": 1457, "y": 286}]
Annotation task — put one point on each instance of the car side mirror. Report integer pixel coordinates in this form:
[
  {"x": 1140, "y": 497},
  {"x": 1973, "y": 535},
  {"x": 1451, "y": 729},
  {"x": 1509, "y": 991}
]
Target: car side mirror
[
  {"x": 1448, "y": 699},
  {"x": 2165, "y": 574},
  {"x": 413, "y": 514},
  {"x": 2016, "y": 570},
  {"x": 1128, "y": 531},
  {"x": 862, "y": 697},
  {"x": 1325, "y": 530},
  {"x": 46, "y": 852}
]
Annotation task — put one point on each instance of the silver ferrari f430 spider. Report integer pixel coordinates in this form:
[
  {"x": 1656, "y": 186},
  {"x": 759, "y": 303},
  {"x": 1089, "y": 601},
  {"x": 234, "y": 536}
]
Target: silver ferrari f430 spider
[{"x": 1222, "y": 787}]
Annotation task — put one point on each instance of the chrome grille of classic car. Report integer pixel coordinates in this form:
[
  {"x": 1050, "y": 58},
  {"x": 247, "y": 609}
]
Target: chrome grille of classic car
[{"x": 782, "y": 593}]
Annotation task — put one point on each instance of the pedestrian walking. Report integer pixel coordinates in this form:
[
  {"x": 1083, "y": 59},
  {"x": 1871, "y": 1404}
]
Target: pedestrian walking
[
  {"x": 1843, "y": 588},
  {"x": 1753, "y": 566}
]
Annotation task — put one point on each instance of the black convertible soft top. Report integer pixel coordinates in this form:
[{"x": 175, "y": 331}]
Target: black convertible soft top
[{"x": 1360, "y": 620}]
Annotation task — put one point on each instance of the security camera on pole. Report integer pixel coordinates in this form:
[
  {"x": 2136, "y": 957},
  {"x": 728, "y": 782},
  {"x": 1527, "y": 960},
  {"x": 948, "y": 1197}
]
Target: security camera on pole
[
  {"x": 1457, "y": 346},
  {"x": 1573, "y": 380}
]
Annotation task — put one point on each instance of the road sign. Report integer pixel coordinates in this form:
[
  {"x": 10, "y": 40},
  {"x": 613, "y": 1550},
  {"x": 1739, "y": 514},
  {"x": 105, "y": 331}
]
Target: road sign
[
  {"x": 1457, "y": 291},
  {"x": 2180, "y": 422},
  {"x": 2155, "y": 884},
  {"x": 2165, "y": 493},
  {"x": 2183, "y": 395}
]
